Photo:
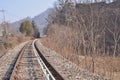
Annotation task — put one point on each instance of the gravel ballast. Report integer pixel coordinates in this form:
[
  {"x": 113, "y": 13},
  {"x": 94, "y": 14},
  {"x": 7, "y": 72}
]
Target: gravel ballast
[
  {"x": 67, "y": 69},
  {"x": 6, "y": 60}
]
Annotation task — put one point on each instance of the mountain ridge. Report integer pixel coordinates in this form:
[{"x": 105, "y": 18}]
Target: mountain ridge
[{"x": 40, "y": 21}]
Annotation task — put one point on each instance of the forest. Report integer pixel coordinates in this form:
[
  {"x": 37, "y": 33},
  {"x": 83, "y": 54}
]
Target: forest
[{"x": 87, "y": 33}]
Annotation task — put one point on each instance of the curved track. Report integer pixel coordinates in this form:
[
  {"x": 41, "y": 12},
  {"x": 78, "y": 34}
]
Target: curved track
[
  {"x": 26, "y": 66},
  {"x": 29, "y": 65}
]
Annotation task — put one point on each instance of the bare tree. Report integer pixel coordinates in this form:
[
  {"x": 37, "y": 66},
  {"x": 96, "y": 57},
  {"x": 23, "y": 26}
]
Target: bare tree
[{"x": 115, "y": 31}]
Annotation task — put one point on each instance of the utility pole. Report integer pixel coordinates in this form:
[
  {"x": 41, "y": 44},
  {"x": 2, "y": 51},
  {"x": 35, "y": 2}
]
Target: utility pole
[
  {"x": 3, "y": 11},
  {"x": 4, "y": 22}
]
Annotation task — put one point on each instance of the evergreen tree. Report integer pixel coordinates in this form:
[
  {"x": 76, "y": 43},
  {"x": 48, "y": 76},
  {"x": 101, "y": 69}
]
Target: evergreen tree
[
  {"x": 26, "y": 28},
  {"x": 36, "y": 30}
]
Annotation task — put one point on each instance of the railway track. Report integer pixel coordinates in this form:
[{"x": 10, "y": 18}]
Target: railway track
[
  {"x": 29, "y": 64},
  {"x": 35, "y": 62}
]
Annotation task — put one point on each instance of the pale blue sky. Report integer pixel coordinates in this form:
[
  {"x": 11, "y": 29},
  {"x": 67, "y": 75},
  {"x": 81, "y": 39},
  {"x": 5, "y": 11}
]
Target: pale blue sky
[{"x": 18, "y": 9}]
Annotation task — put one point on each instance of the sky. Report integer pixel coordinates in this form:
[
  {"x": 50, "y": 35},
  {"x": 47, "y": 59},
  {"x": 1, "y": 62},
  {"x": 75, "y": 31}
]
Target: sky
[{"x": 19, "y": 9}]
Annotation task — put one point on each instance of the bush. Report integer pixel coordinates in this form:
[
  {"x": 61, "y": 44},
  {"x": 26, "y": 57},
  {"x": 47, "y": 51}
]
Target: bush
[
  {"x": 26, "y": 28},
  {"x": 7, "y": 45}
]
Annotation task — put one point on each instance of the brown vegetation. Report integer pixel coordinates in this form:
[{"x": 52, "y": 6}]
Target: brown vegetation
[
  {"x": 88, "y": 35},
  {"x": 11, "y": 38},
  {"x": 62, "y": 41},
  {"x": 11, "y": 41}
]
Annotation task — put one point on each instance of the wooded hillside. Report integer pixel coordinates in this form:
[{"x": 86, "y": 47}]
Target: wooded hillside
[{"x": 88, "y": 34}]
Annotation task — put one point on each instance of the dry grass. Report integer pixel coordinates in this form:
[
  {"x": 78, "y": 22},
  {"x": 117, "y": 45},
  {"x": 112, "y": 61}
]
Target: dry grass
[
  {"x": 2, "y": 49},
  {"x": 11, "y": 42},
  {"x": 64, "y": 41},
  {"x": 104, "y": 66}
]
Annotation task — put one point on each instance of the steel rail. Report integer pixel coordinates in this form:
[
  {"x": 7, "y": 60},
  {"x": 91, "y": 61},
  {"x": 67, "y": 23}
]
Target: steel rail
[
  {"x": 14, "y": 71},
  {"x": 48, "y": 75}
]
